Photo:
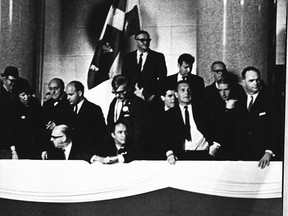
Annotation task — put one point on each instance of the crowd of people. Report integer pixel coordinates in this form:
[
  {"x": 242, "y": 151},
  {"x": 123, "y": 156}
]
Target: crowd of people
[{"x": 152, "y": 117}]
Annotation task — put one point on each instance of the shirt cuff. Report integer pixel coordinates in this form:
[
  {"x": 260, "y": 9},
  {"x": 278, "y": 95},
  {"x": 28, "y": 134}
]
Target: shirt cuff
[
  {"x": 121, "y": 159},
  {"x": 93, "y": 158},
  {"x": 169, "y": 153},
  {"x": 270, "y": 152}
]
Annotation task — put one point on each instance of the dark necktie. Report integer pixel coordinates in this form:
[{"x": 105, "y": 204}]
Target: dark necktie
[
  {"x": 75, "y": 109},
  {"x": 187, "y": 124},
  {"x": 250, "y": 103},
  {"x": 140, "y": 62}
]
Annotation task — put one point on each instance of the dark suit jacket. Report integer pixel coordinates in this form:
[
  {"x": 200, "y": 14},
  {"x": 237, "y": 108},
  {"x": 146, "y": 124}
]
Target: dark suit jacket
[
  {"x": 62, "y": 113},
  {"x": 153, "y": 70},
  {"x": 135, "y": 117},
  {"x": 108, "y": 148},
  {"x": 5, "y": 96},
  {"x": 196, "y": 84},
  {"x": 58, "y": 154},
  {"x": 88, "y": 127},
  {"x": 255, "y": 129},
  {"x": 223, "y": 119},
  {"x": 175, "y": 128}
]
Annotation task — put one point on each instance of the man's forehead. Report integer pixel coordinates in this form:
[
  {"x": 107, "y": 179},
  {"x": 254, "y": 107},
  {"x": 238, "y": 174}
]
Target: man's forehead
[
  {"x": 251, "y": 75},
  {"x": 11, "y": 77},
  {"x": 222, "y": 86},
  {"x": 218, "y": 66},
  {"x": 142, "y": 36}
]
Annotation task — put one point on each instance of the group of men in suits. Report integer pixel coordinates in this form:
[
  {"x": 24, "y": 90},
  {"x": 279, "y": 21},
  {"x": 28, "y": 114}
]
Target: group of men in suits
[{"x": 157, "y": 117}]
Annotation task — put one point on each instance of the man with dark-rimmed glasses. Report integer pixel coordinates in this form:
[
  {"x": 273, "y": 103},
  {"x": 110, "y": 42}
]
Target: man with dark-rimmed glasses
[{"x": 144, "y": 68}]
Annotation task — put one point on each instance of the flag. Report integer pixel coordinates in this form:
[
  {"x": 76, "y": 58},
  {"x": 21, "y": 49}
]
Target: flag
[{"x": 122, "y": 22}]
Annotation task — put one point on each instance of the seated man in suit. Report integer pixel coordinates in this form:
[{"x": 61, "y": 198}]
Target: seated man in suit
[
  {"x": 144, "y": 67},
  {"x": 116, "y": 149},
  {"x": 156, "y": 118},
  {"x": 89, "y": 125},
  {"x": 55, "y": 111},
  {"x": 219, "y": 71},
  {"x": 128, "y": 108},
  {"x": 189, "y": 135},
  {"x": 10, "y": 75},
  {"x": 185, "y": 65},
  {"x": 255, "y": 121},
  {"x": 61, "y": 137}
]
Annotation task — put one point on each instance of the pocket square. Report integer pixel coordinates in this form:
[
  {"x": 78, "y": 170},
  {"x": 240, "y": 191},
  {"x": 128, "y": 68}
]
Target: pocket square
[{"x": 262, "y": 113}]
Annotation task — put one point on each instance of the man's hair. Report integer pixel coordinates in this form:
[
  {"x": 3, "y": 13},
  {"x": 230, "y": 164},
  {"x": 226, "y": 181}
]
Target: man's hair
[
  {"x": 78, "y": 85},
  {"x": 226, "y": 80},
  {"x": 219, "y": 62},
  {"x": 59, "y": 82},
  {"x": 119, "y": 80},
  {"x": 250, "y": 68},
  {"x": 118, "y": 122},
  {"x": 66, "y": 130},
  {"x": 22, "y": 85},
  {"x": 180, "y": 82},
  {"x": 185, "y": 57},
  {"x": 142, "y": 32}
]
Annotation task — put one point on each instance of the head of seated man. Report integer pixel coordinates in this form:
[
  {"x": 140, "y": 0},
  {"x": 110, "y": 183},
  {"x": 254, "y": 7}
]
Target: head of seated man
[{"x": 61, "y": 136}]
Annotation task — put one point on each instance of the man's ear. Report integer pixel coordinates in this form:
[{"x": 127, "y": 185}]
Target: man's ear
[
  {"x": 176, "y": 95},
  {"x": 162, "y": 98},
  {"x": 113, "y": 135},
  {"x": 80, "y": 93}
]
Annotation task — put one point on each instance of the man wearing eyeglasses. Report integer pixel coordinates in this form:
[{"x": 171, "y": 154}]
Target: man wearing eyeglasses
[
  {"x": 130, "y": 109},
  {"x": 144, "y": 67},
  {"x": 9, "y": 77},
  {"x": 61, "y": 137},
  {"x": 7, "y": 127}
]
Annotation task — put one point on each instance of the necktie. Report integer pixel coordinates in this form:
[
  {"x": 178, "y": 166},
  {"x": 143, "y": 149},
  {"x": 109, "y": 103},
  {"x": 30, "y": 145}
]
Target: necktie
[
  {"x": 75, "y": 109},
  {"x": 140, "y": 62},
  {"x": 187, "y": 124},
  {"x": 118, "y": 108},
  {"x": 250, "y": 103}
]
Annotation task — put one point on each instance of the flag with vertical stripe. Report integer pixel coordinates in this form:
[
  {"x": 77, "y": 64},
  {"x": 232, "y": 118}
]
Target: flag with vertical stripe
[{"x": 122, "y": 22}]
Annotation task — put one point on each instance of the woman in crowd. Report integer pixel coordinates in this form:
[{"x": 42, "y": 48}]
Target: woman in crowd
[{"x": 27, "y": 119}]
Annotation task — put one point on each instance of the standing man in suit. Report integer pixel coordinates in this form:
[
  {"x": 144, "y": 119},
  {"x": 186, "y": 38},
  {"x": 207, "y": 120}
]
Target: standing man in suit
[
  {"x": 7, "y": 125},
  {"x": 10, "y": 75},
  {"x": 253, "y": 124},
  {"x": 89, "y": 125},
  {"x": 61, "y": 137},
  {"x": 189, "y": 135},
  {"x": 144, "y": 67},
  {"x": 185, "y": 65},
  {"x": 55, "y": 111},
  {"x": 130, "y": 109}
]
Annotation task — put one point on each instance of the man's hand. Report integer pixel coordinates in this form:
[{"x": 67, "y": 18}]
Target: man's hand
[
  {"x": 139, "y": 91},
  {"x": 213, "y": 149},
  {"x": 265, "y": 160},
  {"x": 44, "y": 155},
  {"x": 110, "y": 160},
  {"x": 171, "y": 159},
  {"x": 230, "y": 104},
  {"x": 50, "y": 125}
]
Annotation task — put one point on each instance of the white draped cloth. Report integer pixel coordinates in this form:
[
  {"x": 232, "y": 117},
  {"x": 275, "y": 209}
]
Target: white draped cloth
[{"x": 78, "y": 181}]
